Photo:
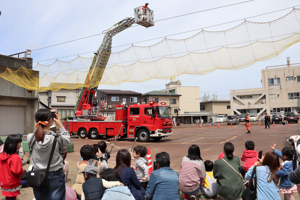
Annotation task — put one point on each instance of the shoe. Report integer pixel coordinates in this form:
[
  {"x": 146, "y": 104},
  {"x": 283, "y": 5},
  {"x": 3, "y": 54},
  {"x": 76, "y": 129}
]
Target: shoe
[{"x": 193, "y": 197}]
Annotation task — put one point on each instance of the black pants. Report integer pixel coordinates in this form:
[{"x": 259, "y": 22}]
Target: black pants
[
  {"x": 144, "y": 184},
  {"x": 267, "y": 124}
]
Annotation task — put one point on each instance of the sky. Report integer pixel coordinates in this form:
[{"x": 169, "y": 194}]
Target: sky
[{"x": 35, "y": 24}]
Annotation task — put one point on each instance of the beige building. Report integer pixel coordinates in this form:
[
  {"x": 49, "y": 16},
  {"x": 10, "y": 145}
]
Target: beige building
[
  {"x": 170, "y": 99},
  {"x": 189, "y": 96},
  {"x": 216, "y": 107},
  {"x": 279, "y": 93}
]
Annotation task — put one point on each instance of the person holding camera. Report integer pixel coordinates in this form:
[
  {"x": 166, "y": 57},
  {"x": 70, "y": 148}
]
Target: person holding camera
[
  {"x": 163, "y": 183},
  {"x": 41, "y": 143}
]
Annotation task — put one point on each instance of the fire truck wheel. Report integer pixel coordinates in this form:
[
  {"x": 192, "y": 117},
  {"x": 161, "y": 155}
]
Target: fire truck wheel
[
  {"x": 94, "y": 133},
  {"x": 82, "y": 133},
  {"x": 143, "y": 135},
  {"x": 157, "y": 138}
]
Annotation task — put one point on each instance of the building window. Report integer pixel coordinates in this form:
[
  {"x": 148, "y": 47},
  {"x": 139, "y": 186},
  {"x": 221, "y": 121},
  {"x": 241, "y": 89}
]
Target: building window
[
  {"x": 133, "y": 99},
  {"x": 272, "y": 96},
  {"x": 155, "y": 100},
  {"x": 172, "y": 91},
  {"x": 134, "y": 111},
  {"x": 124, "y": 100},
  {"x": 274, "y": 81},
  {"x": 294, "y": 95},
  {"x": 245, "y": 97},
  {"x": 202, "y": 107},
  {"x": 173, "y": 101},
  {"x": 61, "y": 99},
  {"x": 289, "y": 78},
  {"x": 145, "y": 100},
  {"x": 114, "y": 98},
  {"x": 228, "y": 107},
  {"x": 298, "y": 78}
]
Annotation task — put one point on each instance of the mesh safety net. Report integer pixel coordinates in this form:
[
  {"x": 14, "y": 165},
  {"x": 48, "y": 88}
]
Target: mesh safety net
[{"x": 202, "y": 53}]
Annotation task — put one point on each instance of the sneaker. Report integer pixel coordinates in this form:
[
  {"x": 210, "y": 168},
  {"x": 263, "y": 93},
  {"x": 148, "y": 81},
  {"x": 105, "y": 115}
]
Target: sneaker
[{"x": 193, "y": 197}]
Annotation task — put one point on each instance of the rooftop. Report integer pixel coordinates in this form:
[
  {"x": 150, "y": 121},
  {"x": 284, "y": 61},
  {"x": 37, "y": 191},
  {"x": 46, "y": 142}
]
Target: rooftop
[
  {"x": 160, "y": 93},
  {"x": 119, "y": 92}
]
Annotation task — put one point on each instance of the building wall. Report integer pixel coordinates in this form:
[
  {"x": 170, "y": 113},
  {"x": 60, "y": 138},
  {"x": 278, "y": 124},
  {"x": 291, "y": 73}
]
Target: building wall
[
  {"x": 189, "y": 99},
  {"x": 221, "y": 108},
  {"x": 108, "y": 98},
  {"x": 208, "y": 107}
]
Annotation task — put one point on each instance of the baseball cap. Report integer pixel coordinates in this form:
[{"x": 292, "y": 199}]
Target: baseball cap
[{"x": 90, "y": 169}]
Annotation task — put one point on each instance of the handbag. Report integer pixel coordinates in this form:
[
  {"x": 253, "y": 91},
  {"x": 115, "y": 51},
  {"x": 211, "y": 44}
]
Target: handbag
[
  {"x": 38, "y": 178},
  {"x": 250, "y": 192}
]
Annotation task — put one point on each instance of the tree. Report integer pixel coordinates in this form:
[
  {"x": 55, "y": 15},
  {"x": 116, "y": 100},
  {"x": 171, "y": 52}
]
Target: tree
[
  {"x": 214, "y": 97},
  {"x": 205, "y": 97}
]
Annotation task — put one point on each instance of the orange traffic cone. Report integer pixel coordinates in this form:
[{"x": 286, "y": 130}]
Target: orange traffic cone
[
  {"x": 193, "y": 125},
  {"x": 273, "y": 123},
  {"x": 201, "y": 125},
  {"x": 218, "y": 125},
  {"x": 231, "y": 125},
  {"x": 79, "y": 138},
  {"x": 287, "y": 123},
  {"x": 209, "y": 125},
  {"x": 149, "y": 165},
  {"x": 259, "y": 124}
]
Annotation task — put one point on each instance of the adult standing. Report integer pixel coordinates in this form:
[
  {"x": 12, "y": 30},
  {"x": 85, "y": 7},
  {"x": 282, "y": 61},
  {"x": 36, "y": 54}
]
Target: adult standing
[
  {"x": 127, "y": 174},
  {"x": 248, "y": 123},
  {"x": 211, "y": 121},
  {"x": 267, "y": 121},
  {"x": 41, "y": 142},
  {"x": 226, "y": 171},
  {"x": 192, "y": 172},
  {"x": 267, "y": 181}
]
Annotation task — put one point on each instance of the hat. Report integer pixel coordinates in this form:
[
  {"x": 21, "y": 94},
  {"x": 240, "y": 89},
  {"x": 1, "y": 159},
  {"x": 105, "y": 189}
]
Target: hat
[
  {"x": 90, "y": 169},
  {"x": 247, "y": 113}
]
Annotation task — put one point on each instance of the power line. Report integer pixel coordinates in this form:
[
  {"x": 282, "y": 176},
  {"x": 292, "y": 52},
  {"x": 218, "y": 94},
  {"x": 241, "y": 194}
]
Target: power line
[
  {"x": 177, "y": 33},
  {"x": 251, "y": 41},
  {"x": 138, "y": 25}
]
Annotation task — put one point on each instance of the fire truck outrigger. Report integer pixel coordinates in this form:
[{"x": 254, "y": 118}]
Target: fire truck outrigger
[{"x": 145, "y": 121}]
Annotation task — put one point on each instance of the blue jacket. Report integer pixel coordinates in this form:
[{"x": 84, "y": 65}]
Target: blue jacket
[
  {"x": 130, "y": 180},
  {"x": 93, "y": 188},
  {"x": 283, "y": 174},
  {"x": 119, "y": 193},
  {"x": 163, "y": 185},
  {"x": 277, "y": 152}
]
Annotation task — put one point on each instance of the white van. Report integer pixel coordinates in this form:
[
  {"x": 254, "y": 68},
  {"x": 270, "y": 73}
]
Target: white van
[{"x": 221, "y": 118}]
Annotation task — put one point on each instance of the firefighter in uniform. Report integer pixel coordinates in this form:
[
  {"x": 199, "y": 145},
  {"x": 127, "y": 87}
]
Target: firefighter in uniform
[{"x": 248, "y": 123}]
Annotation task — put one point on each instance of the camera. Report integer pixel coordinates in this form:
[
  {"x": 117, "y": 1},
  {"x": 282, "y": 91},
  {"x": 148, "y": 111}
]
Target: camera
[{"x": 53, "y": 113}]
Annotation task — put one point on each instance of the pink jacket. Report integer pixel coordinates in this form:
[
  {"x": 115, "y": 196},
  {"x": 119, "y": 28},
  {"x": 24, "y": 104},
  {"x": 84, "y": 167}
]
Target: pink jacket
[{"x": 250, "y": 157}]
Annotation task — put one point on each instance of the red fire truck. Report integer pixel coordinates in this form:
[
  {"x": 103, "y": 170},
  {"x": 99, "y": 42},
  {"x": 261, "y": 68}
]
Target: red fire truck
[{"x": 144, "y": 121}]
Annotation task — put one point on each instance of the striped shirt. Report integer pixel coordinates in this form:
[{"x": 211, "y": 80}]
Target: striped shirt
[{"x": 191, "y": 175}]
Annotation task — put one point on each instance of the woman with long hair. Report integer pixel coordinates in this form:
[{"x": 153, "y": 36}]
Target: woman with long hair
[
  {"x": 267, "y": 181},
  {"x": 127, "y": 174},
  {"x": 227, "y": 172},
  {"x": 192, "y": 172},
  {"x": 41, "y": 142}
]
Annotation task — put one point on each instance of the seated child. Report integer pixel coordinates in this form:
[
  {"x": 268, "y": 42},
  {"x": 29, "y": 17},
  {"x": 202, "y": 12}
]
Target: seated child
[
  {"x": 139, "y": 153},
  {"x": 209, "y": 185},
  {"x": 250, "y": 156},
  {"x": 93, "y": 187},
  {"x": 117, "y": 192},
  {"x": 102, "y": 146}
]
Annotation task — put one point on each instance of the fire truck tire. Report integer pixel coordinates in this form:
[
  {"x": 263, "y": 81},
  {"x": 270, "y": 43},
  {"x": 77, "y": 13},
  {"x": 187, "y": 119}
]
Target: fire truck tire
[
  {"x": 143, "y": 135},
  {"x": 82, "y": 133},
  {"x": 94, "y": 133},
  {"x": 157, "y": 138}
]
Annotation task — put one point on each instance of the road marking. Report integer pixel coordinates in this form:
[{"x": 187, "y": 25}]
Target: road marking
[
  {"x": 192, "y": 140},
  {"x": 227, "y": 140}
]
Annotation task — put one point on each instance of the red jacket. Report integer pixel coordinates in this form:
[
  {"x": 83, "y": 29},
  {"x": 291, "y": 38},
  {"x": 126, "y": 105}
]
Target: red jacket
[
  {"x": 10, "y": 173},
  {"x": 250, "y": 157}
]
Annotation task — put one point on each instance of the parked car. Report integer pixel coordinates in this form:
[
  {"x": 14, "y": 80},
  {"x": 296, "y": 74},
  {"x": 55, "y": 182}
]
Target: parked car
[
  {"x": 276, "y": 119},
  {"x": 242, "y": 117},
  {"x": 253, "y": 118},
  {"x": 231, "y": 119},
  {"x": 221, "y": 118},
  {"x": 291, "y": 117}
]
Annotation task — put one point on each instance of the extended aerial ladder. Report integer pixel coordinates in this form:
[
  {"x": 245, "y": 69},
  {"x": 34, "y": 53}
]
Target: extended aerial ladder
[{"x": 85, "y": 105}]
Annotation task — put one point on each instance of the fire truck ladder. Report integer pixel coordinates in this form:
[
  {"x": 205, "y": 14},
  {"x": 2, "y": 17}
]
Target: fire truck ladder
[{"x": 99, "y": 63}]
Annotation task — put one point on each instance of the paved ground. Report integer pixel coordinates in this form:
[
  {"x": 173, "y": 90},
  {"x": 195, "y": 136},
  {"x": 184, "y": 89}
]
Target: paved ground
[{"x": 210, "y": 140}]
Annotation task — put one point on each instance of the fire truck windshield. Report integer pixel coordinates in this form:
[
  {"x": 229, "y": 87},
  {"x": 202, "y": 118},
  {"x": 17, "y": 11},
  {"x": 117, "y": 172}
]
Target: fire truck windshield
[{"x": 163, "y": 112}]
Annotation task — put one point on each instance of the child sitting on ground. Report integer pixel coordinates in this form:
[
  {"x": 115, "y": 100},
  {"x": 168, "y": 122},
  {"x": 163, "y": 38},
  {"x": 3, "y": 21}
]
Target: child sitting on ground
[
  {"x": 93, "y": 187},
  {"x": 102, "y": 146},
  {"x": 250, "y": 156},
  {"x": 209, "y": 185},
  {"x": 286, "y": 186},
  {"x": 139, "y": 153}
]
